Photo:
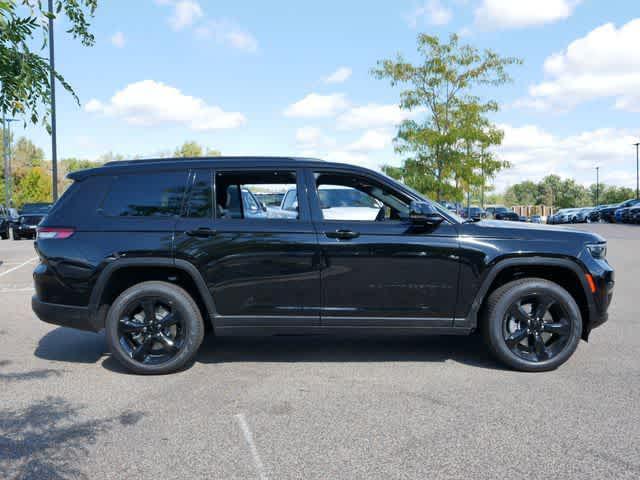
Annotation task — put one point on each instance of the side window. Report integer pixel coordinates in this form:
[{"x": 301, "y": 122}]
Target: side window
[
  {"x": 343, "y": 196},
  {"x": 145, "y": 195},
  {"x": 238, "y": 193},
  {"x": 200, "y": 204}
]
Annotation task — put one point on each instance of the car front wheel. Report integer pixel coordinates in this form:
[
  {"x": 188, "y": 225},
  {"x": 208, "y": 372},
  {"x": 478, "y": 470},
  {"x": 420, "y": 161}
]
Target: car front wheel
[
  {"x": 154, "y": 328},
  {"x": 532, "y": 325}
]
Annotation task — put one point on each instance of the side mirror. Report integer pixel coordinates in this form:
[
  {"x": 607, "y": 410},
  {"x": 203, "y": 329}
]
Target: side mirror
[{"x": 423, "y": 213}]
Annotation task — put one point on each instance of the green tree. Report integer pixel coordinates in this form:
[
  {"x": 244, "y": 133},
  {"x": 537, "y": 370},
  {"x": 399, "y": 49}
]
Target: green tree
[
  {"x": 25, "y": 154},
  {"x": 24, "y": 72},
  {"x": 192, "y": 149},
  {"x": 33, "y": 186},
  {"x": 69, "y": 165},
  {"x": 441, "y": 151}
]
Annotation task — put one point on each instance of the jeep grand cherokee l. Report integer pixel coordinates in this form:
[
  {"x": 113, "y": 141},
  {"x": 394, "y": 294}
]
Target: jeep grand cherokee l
[{"x": 154, "y": 251}]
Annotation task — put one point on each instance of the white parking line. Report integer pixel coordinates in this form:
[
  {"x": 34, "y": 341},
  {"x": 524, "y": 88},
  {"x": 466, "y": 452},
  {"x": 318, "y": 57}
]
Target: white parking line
[
  {"x": 19, "y": 266},
  {"x": 248, "y": 436}
]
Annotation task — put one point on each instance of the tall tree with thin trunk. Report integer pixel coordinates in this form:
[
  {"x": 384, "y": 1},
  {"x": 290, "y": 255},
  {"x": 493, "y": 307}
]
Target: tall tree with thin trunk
[{"x": 442, "y": 148}]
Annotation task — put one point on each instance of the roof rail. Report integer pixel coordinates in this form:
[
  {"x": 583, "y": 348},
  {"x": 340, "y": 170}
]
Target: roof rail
[{"x": 203, "y": 159}]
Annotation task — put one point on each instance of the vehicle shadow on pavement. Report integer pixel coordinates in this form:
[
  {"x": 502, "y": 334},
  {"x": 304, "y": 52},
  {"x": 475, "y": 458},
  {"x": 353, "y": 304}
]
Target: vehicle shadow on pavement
[
  {"x": 466, "y": 350},
  {"x": 69, "y": 345},
  {"x": 50, "y": 439}
]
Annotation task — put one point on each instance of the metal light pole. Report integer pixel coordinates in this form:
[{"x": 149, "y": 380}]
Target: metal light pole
[
  {"x": 52, "y": 81},
  {"x": 6, "y": 144},
  {"x": 597, "y": 185},
  {"x": 637, "y": 172}
]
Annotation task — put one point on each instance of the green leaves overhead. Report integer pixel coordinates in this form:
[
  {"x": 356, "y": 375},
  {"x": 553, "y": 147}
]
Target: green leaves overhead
[
  {"x": 25, "y": 89},
  {"x": 448, "y": 151}
]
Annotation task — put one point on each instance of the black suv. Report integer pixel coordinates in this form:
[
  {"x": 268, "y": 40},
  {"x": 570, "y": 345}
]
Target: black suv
[{"x": 155, "y": 251}]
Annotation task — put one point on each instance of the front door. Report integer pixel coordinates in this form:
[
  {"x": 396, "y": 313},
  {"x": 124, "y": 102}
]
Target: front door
[
  {"x": 377, "y": 268},
  {"x": 260, "y": 266}
]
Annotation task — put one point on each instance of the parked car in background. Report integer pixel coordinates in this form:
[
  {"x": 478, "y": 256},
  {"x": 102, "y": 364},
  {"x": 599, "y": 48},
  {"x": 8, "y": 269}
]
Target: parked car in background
[
  {"x": 608, "y": 214},
  {"x": 270, "y": 199},
  {"x": 523, "y": 218},
  {"x": 5, "y": 223},
  {"x": 474, "y": 213},
  {"x": 634, "y": 214},
  {"x": 621, "y": 215},
  {"x": 564, "y": 215},
  {"x": 26, "y": 227},
  {"x": 595, "y": 214},
  {"x": 536, "y": 219},
  {"x": 581, "y": 215},
  {"x": 499, "y": 212},
  {"x": 41, "y": 208}
]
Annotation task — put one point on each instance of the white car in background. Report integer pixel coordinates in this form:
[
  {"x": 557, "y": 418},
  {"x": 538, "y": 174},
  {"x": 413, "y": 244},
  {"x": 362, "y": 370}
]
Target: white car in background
[{"x": 337, "y": 203}]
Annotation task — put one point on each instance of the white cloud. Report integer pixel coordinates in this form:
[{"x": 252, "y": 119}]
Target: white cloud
[
  {"x": 185, "y": 13},
  {"x": 315, "y": 105},
  {"x": 118, "y": 40},
  {"x": 341, "y": 75},
  {"x": 374, "y": 115},
  {"x": 535, "y": 153},
  {"x": 371, "y": 140},
  {"x": 602, "y": 64},
  {"x": 522, "y": 13},
  {"x": 226, "y": 32},
  {"x": 312, "y": 138},
  {"x": 432, "y": 11},
  {"x": 189, "y": 13},
  {"x": 148, "y": 103}
]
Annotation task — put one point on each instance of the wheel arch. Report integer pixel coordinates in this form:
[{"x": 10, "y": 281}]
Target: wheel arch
[
  {"x": 122, "y": 273},
  {"x": 561, "y": 271}
]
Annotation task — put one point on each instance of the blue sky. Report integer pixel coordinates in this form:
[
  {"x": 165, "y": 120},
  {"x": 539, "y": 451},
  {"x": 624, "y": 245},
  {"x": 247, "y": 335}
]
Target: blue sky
[{"x": 290, "y": 77}]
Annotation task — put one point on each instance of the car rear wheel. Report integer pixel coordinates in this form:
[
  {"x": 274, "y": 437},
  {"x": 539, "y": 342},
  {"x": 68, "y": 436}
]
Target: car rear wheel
[
  {"x": 532, "y": 325},
  {"x": 154, "y": 328}
]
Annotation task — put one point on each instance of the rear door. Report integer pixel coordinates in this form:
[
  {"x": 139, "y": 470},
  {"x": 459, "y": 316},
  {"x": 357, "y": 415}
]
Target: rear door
[{"x": 261, "y": 269}]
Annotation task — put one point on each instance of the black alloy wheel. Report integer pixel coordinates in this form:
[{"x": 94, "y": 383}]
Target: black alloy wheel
[
  {"x": 154, "y": 328},
  {"x": 151, "y": 331},
  {"x": 532, "y": 324},
  {"x": 536, "y": 327}
]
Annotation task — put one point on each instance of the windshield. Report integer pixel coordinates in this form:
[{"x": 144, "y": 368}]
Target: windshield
[
  {"x": 36, "y": 208},
  {"x": 30, "y": 220}
]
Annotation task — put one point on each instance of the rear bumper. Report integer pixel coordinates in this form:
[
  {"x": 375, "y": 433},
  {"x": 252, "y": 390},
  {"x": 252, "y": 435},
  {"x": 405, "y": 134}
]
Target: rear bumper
[{"x": 64, "y": 315}]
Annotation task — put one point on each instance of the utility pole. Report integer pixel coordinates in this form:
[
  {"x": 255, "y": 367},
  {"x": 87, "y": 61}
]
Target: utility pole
[
  {"x": 597, "y": 185},
  {"x": 637, "y": 172},
  {"x": 6, "y": 153},
  {"x": 52, "y": 81}
]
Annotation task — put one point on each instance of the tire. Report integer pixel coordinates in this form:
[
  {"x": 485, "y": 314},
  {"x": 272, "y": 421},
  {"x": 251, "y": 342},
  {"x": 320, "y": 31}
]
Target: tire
[
  {"x": 500, "y": 326},
  {"x": 137, "y": 337},
  {"x": 4, "y": 236}
]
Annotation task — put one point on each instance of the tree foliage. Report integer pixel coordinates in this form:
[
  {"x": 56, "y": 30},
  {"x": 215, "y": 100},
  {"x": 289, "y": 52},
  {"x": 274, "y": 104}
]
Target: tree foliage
[
  {"x": 449, "y": 150},
  {"x": 24, "y": 71},
  {"x": 192, "y": 149},
  {"x": 553, "y": 191}
]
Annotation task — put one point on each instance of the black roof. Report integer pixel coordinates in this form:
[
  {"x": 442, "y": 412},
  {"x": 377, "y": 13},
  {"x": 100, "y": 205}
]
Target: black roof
[{"x": 252, "y": 161}]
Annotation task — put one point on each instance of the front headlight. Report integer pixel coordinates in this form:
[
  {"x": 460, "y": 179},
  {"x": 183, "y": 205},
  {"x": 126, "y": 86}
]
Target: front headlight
[{"x": 597, "y": 250}]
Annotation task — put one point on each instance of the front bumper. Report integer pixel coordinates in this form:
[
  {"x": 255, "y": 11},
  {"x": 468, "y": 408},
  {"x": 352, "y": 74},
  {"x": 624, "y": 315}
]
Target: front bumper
[{"x": 64, "y": 315}]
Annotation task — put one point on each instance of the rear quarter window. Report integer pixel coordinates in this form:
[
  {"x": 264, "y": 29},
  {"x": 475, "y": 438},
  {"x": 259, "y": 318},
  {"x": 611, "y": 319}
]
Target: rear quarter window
[{"x": 158, "y": 194}]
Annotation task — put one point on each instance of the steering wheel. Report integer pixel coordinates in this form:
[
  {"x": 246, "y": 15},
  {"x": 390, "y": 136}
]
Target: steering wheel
[{"x": 380, "y": 217}]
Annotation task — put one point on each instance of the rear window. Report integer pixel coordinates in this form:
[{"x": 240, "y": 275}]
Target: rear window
[{"x": 157, "y": 194}]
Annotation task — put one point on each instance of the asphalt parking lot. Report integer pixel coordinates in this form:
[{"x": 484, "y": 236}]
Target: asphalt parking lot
[{"x": 318, "y": 408}]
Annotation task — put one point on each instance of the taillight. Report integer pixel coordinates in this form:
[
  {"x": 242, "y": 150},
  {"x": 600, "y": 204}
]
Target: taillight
[{"x": 55, "y": 233}]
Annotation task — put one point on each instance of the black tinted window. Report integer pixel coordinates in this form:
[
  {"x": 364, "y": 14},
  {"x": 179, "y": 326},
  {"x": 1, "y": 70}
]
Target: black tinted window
[
  {"x": 146, "y": 195},
  {"x": 201, "y": 196}
]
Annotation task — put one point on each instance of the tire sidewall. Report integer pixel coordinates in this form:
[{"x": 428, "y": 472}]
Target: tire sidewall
[
  {"x": 179, "y": 300},
  {"x": 534, "y": 286}
]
